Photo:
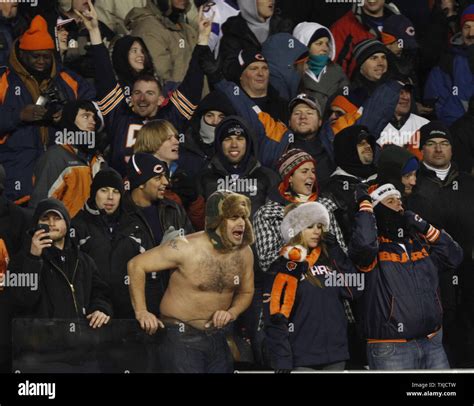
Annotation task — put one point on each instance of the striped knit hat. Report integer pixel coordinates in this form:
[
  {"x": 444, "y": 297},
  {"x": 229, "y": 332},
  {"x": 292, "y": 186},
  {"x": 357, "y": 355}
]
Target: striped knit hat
[
  {"x": 291, "y": 161},
  {"x": 365, "y": 49},
  {"x": 467, "y": 14}
]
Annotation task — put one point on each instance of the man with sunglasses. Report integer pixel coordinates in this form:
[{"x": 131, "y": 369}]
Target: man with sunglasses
[{"x": 443, "y": 196}]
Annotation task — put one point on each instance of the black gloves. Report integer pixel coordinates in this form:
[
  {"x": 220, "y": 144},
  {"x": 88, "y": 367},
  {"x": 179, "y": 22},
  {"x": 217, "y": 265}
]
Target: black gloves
[
  {"x": 361, "y": 193},
  {"x": 414, "y": 221},
  {"x": 330, "y": 239},
  {"x": 208, "y": 64}
]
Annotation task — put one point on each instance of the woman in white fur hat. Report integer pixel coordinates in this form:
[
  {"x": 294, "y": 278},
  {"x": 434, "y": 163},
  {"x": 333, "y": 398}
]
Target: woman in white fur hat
[{"x": 305, "y": 322}]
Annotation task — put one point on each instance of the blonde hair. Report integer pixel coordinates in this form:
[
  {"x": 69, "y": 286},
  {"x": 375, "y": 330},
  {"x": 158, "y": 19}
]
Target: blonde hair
[{"x": 152, "y": 135}]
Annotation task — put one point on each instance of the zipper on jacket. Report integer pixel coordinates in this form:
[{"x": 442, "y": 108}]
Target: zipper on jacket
[{"x": 71, "y": 285}]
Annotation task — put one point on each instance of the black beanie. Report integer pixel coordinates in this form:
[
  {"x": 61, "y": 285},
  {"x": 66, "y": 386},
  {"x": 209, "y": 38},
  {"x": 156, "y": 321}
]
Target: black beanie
[
  {"x": 54, "y": 205},
  {"x": 142, "y": 167},
  {"x": 434, "y": 129},
  {"x": 365, "y": 49},
  {"x": 107, "y": 177},
  {"x": 245, "y": 58}
]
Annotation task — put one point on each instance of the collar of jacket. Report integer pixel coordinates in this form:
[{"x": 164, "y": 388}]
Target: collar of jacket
[
  {"x": 431, "y": 175},
  {"x": 357, "y": 11},
  {"x": 341, "y": 172},
  {"x": 216, "y": 165}
]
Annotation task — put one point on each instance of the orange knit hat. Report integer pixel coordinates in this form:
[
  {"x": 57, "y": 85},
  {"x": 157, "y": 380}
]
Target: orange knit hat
[{"x": 37, "y": 38}]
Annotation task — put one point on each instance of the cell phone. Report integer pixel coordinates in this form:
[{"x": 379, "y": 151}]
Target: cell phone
[{"x": 40, "y": 226}]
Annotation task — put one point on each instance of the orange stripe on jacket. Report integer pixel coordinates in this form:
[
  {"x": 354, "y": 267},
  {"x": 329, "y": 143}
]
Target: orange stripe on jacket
[
  {"x": 289, "y": 284},
  {"x": 275, "y": 130},
  {"x": 4, "y": 86},
  {"x": 71, "y": 82}
]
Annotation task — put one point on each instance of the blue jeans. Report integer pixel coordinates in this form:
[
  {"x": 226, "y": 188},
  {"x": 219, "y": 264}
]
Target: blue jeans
[
  {"x": 184, "y": 349},
  {"x": 423, "y": 353}
]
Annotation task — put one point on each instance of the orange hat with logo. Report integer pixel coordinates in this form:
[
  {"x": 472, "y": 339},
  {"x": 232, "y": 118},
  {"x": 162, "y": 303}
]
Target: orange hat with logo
[{"x": 37, "y": 38}]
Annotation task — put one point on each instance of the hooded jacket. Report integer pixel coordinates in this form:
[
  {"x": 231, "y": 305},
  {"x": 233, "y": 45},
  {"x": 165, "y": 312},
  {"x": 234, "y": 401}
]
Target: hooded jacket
[
  {"x": 126, "y": 75},
  {"x": 332, "y": 77},
  {"x": 253, "y": 180},
  {"x": 283, "y": 75},
  {"x": 451, "y": 83},
  {"x": 170, "y": 43},
  {"x": 352, "y": 28},
  {"x": 349, "y": 172},
  {"x": 65, "y": 171},
  {"x": 390, "y": 165},
  {"x": 69, "y": 284},
  {"x": 22, "y": 144},
  {"x": 194, "y": 154},
  {"x": 237, "y": 35}
]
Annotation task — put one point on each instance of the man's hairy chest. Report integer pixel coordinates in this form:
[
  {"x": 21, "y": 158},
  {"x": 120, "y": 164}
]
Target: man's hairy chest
[{"x": 217, "y": 273}]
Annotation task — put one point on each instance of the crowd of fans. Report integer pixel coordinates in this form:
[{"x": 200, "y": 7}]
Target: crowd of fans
[{"x": 347, "y": 126}]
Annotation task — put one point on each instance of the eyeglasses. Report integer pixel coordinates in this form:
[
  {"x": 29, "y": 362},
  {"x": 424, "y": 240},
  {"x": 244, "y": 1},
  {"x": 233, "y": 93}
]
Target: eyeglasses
[{"x": 442, "y": 144}]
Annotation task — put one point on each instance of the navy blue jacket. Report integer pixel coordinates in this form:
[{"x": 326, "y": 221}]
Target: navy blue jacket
[
  {"x": 316, "y": 332},
  {"x": 401, "y": 298}
]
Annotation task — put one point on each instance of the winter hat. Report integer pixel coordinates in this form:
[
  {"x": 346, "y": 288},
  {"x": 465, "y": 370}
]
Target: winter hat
[
  {"x": 222, "y": 205},
  {"x": 107, "y": 177},
  {"x": 37, "y": 37},
  {"x": 291, "y": 160},
  {"x": 410, "y": 166},
  {"x": 308, "y": 32},
  {"x": 397, "y": 27},
  {"x": 467, "y": 15},
  {"x": 384, "y": 191},
  {"x": 392, "y": 162},
  {"x": 248, "y": 56},
  {"x": 344, "y": 103},
  {"x": 366, "y": 48},
  {"x": 233, "y": 125},
  {"x": 345, "y": 150},
  {"x": 3, "y": 177},
  {"x": 434, "y": 129},
  {"x": 142, "y": 167},
  {"x": 302, "y": 217},
  {"x": 54, "y": 205},
  {"x": 307, "y": 99}
]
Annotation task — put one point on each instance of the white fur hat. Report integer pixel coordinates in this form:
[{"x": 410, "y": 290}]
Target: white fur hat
[
  {"x": 304, "y": 216},
  {"x": 384, "y": 191}
]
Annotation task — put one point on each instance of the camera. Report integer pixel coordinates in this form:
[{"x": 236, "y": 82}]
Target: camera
[{"x": 52, "y": 99}]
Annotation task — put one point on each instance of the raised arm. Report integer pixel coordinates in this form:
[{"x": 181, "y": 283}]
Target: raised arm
[{"x": 163, "y": 257}]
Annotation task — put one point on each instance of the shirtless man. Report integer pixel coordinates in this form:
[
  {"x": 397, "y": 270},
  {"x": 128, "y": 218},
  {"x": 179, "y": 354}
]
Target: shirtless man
[{"x": 211, "y": 285}]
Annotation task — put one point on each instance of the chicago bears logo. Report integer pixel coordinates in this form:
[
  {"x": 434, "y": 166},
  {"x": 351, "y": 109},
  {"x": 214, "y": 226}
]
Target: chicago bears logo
[
  {"x": 291, "y": 266},
  {"x": 158, "y": 169}
]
